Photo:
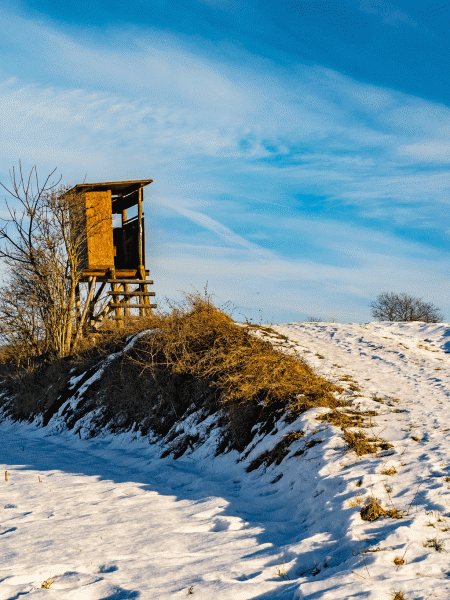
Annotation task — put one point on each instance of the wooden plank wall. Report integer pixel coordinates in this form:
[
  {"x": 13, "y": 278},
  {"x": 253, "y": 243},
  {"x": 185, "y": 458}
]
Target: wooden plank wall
[{"x": 99, "y": 230}]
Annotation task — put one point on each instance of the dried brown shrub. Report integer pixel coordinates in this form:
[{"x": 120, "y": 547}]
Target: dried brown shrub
[
  {"x": 200, "y": 339},
  {"x": 372, "y": 510},
  {"x": 389, "y": 471},
  {"x": 358, "y": 442},
  {"x": 394, "y": 513},
  {"x": 356, "y": 501}
]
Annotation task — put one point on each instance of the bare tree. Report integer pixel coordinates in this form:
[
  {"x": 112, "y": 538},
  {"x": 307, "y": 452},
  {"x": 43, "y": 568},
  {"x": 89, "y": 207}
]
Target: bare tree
[
  {"x": 43, "y": 246},
  {"x": 390, "y": 306}
]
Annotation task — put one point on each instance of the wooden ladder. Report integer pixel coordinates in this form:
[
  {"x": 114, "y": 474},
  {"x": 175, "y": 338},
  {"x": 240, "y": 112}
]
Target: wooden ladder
[{"x": 121, "y": 294}]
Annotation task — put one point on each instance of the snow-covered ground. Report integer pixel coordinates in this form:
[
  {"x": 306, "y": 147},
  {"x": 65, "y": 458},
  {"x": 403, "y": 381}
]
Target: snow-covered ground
[{"x": 107, "y": 519}]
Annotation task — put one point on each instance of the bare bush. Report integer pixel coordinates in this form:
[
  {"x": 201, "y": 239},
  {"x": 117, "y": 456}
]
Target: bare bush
[{"x": 390, "y": 306}]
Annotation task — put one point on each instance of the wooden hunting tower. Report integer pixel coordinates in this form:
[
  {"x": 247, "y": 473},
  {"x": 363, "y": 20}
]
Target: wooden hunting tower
[{"x": 113, "y": 250}]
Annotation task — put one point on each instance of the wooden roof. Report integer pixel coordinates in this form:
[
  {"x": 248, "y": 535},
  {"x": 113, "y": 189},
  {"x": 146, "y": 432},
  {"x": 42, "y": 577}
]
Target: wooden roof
[{"x": 118, "y": 188}]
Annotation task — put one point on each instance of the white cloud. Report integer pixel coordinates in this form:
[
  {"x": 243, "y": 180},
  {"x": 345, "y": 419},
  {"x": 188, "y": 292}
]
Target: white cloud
[{"x": 432, "y": 150}]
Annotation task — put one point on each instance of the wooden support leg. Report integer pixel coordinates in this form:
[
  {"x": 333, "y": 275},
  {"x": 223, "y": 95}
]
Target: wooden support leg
[
  {"x": 77, "y": 306},
  {"x": 127, "y": 300},
  {"x": 142, "y": 311},
  {"x": 148, "y": 310},
  {"x": 91, "y": 308},
  {"x": 78, "y": 335},
  {"x": 118, "y": 310}
]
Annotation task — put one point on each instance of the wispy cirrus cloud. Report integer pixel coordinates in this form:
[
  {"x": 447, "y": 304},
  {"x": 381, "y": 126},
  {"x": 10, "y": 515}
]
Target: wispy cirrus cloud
[{"x": 387, "y": 12}]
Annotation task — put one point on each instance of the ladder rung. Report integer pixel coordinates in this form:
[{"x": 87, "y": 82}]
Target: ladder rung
[
  {"x": 123, "y": 305},
  {"x": 130, "y": 281},
  {"x": 119, "y": 293}
]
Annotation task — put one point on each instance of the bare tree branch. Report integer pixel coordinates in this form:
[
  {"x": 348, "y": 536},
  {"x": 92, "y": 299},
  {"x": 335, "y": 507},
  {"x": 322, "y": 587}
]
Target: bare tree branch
[{"x": 42, "y": 247}]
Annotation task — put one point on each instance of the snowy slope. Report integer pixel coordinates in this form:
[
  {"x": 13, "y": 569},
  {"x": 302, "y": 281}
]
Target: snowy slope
[{"x": 109, "y": 519}]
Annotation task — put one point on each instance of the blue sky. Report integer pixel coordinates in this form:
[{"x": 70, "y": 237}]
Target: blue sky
[{"x": 300, "y": 151}]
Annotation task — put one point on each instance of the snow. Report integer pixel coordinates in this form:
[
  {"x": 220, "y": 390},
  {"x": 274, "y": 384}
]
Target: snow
[{"x": 107, "y": 518}]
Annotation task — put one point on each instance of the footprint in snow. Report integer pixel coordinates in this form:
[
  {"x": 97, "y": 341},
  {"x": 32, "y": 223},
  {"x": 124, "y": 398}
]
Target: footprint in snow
[
  {"x": 231, "y": 524},
  {"x": 10, "y": 506},
  {"x": 108, "y": 568},
  {"x": 10, "y": 530},
  {"x": 219, "y": 524},
  {"x": 249, "y": 576}
]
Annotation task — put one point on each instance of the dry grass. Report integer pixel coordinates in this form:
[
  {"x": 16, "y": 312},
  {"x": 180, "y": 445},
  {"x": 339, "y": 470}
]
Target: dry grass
[
  {"x": 281, "y": 572},
  {"x": 388, "y": 471},
  {"x": 347, "y": 418},
  {"x": 197, "y": 356},
  {"x": 48, "y": 582},
  {"x": 438, "y": 545},
  {"x": 398, "y": 561},
  {"x": 200, "y": 340},
  {"x": 378, "y": 399},
  {"x": 353, "y": 386},
  {"x": 358, "y": 442},
  {"x": 372, "y": 510},
  {"x": 37, "y": 386},
  {"x": 356, "y": 501},
  {"x": 197, "y": 341},
  {"x": 398, "y": 596}
]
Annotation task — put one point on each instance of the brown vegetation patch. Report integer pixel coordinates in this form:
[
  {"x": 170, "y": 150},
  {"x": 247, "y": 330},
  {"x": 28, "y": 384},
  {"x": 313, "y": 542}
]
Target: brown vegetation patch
[
  {"x": 358, "y": 442},
  {"x": 438, "y": 545},
  {"x": 196, "y": 357},
  {"x": 372, "y": 510},
  {"x": 347, "y": 418},
  {"x": 353, "y": 386},
  {"x": 389, "y": 471},
  {"x": 378, "y": 399},
  {"x": 356, "y": 501},
  {"x": 247, "y": 375},
  {"x": 277, "y": 453}
]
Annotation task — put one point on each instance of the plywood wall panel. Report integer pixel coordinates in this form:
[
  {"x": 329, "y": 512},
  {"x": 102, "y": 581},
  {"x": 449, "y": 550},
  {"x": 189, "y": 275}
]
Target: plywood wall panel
[{"x": 99, "y": 230}]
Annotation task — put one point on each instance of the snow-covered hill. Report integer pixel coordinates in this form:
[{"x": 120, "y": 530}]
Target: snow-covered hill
[{"x": 106, "y": 518}]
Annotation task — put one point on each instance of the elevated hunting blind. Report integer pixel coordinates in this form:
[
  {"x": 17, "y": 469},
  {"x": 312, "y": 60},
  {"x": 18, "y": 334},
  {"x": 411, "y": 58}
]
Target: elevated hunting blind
[{"x": 113, "y": 250}]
